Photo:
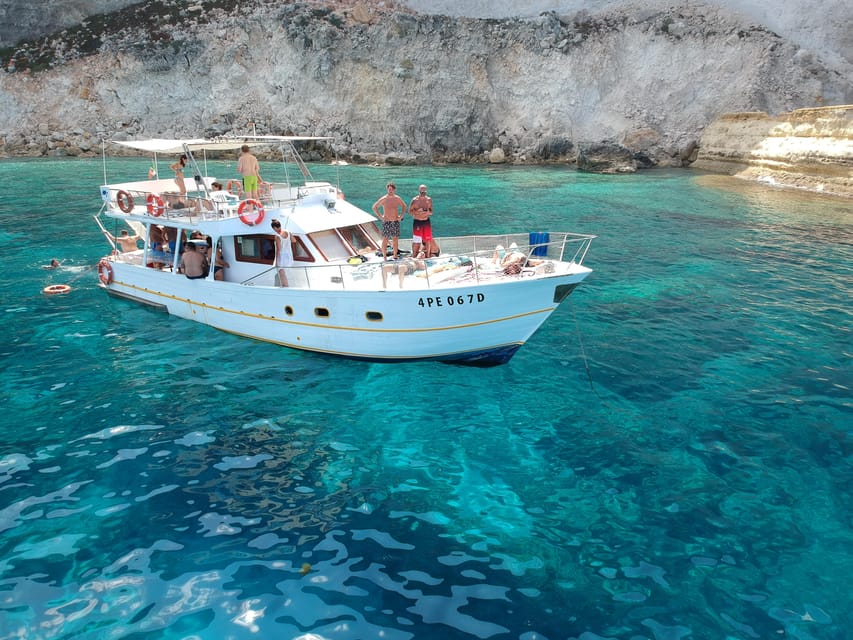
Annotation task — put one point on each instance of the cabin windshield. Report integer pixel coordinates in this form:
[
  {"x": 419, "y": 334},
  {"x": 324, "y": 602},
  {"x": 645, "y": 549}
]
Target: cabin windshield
[
  {"x": 358, "y": 239},
  {"x": 343, "y": 243}
]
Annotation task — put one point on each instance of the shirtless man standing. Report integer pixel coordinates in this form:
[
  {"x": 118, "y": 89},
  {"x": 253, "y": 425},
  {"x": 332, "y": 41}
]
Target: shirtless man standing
[
  {"x": 421, "y": 210},
  {"x": 248, "y": 167},
  {"x": 393, "y": 210},
  {"x": 193, "y": 264}
]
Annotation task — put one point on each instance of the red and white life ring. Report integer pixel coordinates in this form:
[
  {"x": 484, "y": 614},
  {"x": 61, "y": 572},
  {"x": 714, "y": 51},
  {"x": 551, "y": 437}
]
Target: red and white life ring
[
  {"x": 265, "y": 189},
  {"x": 124, "y": 201},
  {"x": 155, "y": 203},
  {"x": 56, "y": 288},
  {"x": 230, "y": 188},
  {"x": 258, "y": 211},
  {"x": 105, "y": 272}
]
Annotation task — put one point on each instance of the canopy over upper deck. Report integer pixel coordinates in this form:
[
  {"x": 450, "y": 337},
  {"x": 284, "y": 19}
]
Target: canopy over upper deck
[{"x": 169, "y": 145}]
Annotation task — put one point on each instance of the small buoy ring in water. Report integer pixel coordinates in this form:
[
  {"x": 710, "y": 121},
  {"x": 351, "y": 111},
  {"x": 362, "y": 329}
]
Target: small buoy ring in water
[
  {"x": 230, "y": 187},
  {"x": 56, "y": 288},
  {"x": 155, "y": 203},
  {"x": 124, "y": 201},
  {"x": 105, "y": 272},
  {"x": 259, "y": 212}
]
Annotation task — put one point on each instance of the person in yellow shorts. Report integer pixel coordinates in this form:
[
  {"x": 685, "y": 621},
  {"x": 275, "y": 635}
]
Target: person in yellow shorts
[{"x": 248, "y": 167}]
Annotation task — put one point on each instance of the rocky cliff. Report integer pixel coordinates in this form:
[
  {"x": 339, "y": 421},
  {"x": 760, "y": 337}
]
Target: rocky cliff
[
  {"x": 394, "y": 84},
  {"x": 808, "y": 149}
]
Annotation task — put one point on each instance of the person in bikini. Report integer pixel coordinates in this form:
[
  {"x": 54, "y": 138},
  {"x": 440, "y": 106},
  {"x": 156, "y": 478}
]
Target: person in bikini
[
  {"x": 178, "y": 168},
  {"x": 393, "y": 209}
]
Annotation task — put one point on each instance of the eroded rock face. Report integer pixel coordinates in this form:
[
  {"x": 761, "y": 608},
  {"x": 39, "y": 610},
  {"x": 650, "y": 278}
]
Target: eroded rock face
[
  {"x": 809, "y": 149},
  {"x": 392, "y": 85},
  {"x": 606, "y": 158}
]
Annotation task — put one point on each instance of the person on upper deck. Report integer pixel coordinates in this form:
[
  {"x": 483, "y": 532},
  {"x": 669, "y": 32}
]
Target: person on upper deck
[
  {"x": 248, "y": 167},
  {"x": 220, "y": 198},
  {"x": 178, "y": 168}
]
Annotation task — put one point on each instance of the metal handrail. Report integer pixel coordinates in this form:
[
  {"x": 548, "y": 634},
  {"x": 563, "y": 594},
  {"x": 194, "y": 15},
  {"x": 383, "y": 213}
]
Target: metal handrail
[{"x": 481, "y": 260}]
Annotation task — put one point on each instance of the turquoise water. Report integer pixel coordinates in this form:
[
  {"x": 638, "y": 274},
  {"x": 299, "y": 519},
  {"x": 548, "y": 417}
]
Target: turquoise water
[{"x": 668, "y": 457}]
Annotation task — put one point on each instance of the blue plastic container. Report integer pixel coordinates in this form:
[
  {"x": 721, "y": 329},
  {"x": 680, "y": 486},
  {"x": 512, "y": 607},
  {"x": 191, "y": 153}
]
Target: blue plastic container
[{"x": 538, "y": 241}]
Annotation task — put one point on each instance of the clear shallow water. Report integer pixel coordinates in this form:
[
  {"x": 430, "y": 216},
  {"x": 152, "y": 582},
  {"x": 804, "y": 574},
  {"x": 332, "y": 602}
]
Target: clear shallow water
[{"x": 669, "y": 457}]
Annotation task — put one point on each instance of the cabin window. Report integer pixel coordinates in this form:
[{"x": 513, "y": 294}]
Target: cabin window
[
  {"x": 261, "y": 249},
  {"x": 373, "y": 232},
  {"x": 331, "y": 245},
  {"x": 340, "y": 244},
  {"x": 359, "y": 239}
]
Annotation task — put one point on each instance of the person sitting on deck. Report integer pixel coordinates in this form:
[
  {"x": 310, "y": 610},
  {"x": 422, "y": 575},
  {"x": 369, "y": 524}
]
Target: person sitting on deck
[
  {"x": 514, "y": 261},
  {"x": 220, "y": 199}
]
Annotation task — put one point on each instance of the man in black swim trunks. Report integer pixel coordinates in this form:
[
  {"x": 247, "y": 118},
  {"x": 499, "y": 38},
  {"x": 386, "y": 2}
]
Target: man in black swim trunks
[{"x": 393, "y": 210}]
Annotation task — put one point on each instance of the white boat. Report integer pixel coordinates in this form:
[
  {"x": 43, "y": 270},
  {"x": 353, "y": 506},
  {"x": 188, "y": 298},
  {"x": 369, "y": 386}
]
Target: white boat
[{"x": 476, "y": 303}]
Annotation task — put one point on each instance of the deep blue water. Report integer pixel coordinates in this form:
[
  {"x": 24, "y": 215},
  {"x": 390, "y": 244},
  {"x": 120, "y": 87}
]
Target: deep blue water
[{"x": 669, "y": 457}]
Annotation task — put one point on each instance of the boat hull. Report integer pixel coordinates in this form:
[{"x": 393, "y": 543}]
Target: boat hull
[{"x": 481, "y": 324}]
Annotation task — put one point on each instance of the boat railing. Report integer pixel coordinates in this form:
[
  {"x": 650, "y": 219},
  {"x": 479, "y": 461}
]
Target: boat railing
[
  {"x": 463, "y": 260},
  {"x": 160, "y": 198}
]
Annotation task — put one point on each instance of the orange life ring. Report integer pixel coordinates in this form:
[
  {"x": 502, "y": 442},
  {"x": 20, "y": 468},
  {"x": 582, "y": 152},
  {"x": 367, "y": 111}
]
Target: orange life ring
[
  {"x": 341, "y": 195},
  {"x": 124, "y": 201},
  {"x": 105, "y": 272},
  {"x": 259, "y": 212},
  {"x": 155, "y": 203},
  {"x": 265, "y": 189},
  {"x": 56, "y": 288},
  {"x": 229, "y": 187}
]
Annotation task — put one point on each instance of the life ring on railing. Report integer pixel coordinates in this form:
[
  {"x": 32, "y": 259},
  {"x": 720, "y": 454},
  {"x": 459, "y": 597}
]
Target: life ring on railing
[
  {"x": 341, "y": 195},
  {"x": 124, "y": 201},
  {"x": 56, "y": 288},
  {"x": 265, "y": 189},
  {"x": 155, "y": 203},
  {"x": 259, "y": 212},
  {"x": 105, "y": 272},
  {"x": 229, "y": 187}
]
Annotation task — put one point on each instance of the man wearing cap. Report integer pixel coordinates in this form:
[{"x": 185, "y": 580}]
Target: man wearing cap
[{"x": 421, "y": 210}]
